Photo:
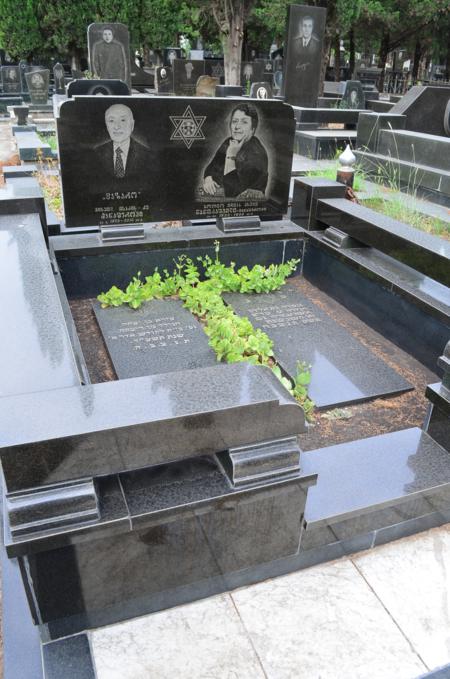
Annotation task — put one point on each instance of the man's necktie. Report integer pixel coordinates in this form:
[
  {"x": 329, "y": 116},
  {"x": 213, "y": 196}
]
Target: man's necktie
[{"x": 119, "y": 170}]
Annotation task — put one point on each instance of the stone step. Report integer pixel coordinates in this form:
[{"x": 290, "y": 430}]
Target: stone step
[
  {"x": 429, "y": 182},
  {"x": 383, "y": 487},
  {"x": 420, "y": 149},
  {"x": 320, "y": 144}
]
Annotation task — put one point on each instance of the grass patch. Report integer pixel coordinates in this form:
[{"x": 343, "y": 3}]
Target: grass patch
[
  {"x": 50, "y": 140},
  {"x": 50, "y": 185},
  {"x": 396, "y": 209}
]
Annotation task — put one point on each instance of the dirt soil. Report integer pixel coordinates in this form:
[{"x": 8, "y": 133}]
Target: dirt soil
[{"x": 378, "y": 416}]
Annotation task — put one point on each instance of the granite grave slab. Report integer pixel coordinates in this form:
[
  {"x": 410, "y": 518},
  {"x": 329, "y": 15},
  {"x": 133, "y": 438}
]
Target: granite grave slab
[
  {"x": 58, "y": 76},
  {"x": 353, "y": 96},
  {"x": 160, "y": 337},
  {"x": 261, "y": 90},
  {"x": 303, "y": 54},
  {"x": 426, "y": 109},
  {"x": 109, "y": 51},
  {"x": 192, "y": 135},
  {"x": 170, "y": 54},
  {"x": 343, "y": 370},
  {"x": 251, "y": 72}
]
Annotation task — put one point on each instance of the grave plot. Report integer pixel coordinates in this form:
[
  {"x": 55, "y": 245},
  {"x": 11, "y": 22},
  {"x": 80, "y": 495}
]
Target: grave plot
[{"x": 146, "y": 472}]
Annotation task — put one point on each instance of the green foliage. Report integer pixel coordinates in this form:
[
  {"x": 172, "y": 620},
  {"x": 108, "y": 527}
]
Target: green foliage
[
  {"x": 19, "y": 27},
  {"x": 234, "y": 339},
  {"x": 397, "y": 209}
]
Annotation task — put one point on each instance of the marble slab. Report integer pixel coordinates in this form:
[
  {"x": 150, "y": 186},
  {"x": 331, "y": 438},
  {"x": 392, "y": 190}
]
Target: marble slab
[
  {"x": 324, "y": 623},
  {"x": 205, "y": 639},
  {"x": 411, "y": 577},
  {"x": 343, "y": 370},
  {"x": 160, "y": 337}
]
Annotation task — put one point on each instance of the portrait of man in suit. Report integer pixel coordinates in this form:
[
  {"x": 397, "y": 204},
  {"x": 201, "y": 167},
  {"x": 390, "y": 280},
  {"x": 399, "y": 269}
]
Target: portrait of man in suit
[
  {"x": 307, "y": 43},
  {"x": 122, "y": 157}
]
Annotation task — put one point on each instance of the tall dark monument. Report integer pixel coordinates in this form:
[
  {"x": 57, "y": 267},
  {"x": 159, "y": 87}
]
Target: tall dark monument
[
  {"x": 303, "y": 47},
  {"x": 109, "y": 52}
]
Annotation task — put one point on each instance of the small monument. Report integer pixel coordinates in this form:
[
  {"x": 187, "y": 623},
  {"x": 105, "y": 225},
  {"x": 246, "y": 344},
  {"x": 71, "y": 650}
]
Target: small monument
[
  {"x": 58, "y": 75},
  {"x": 38, "y": 82}
]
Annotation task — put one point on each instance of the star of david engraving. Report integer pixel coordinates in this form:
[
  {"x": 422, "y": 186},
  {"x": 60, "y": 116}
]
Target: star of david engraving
[
  {"x": 188, "y": 127},
  {"x": 217, "y": 70}
]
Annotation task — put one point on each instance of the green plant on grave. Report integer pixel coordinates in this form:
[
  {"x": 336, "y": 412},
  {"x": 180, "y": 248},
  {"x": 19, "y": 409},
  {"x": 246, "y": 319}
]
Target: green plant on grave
[{"x": 233, "y": 338}]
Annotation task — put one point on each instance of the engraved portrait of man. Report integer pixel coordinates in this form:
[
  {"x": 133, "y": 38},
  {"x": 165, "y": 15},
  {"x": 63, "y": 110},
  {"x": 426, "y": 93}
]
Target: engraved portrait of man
[
  {"x": 109, "y": 60},
  {"x": 121, "y": 157},
  {"x": 307, "y": 43}
]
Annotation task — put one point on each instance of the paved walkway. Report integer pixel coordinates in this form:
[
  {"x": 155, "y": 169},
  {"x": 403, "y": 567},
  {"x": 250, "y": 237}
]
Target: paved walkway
[{"x": 383, "y": 614}]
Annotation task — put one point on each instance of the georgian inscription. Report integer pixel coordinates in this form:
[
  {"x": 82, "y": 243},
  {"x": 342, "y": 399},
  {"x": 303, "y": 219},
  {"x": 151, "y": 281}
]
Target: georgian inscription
[{"x": 159, "y": 337}]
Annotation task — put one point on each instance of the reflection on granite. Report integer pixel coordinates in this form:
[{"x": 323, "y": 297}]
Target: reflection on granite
[
  {"x": 238, "y": 530},
  {"x": 32, "y": 319},
  {"x": 373, "y": 472},
  {"x": 118, "y": 426}
]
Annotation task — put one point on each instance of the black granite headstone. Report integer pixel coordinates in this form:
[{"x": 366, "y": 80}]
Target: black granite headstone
[
  {"x": 164, "y": 80},
  {"x": 24, "y": 68},
  {"x": 38, "y": 82},
  {"x": 261, "y": 91},
  {"x": 97, "y": 87},
  {"x": 424, "y": 108},
  {"x": 343, "y": 370},
  {"x": 58, "y": 75},
  {"x": 160, "y": 337},
  {"x": 192, "y": 135},
  {"x": 353, "y": 96},
  {"x": 109, "y": 51},
  {"x": 186, "y": 72},
  {"x": 303, "y": 54},
  {"x": 11, "y": 79},
  {"x": 170, "y": 54},
  {"x": 447, "y": 119},
  {"x": 251, "y": 72},
  {"x": 215, "y": 68}
]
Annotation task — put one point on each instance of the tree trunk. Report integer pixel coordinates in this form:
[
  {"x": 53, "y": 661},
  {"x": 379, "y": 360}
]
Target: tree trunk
[
  {"x": 382, "y": 58},
  {"x": 325, "y": 60},
  {"x": 351, "y": 64},
  {"x": 416, "y": 62},
  {"x": 337, "y": 58},
  {"x": 232, "y": 43}
]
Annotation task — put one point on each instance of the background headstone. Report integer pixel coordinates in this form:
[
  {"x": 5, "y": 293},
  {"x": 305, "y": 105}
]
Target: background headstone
[
  {"x": 109, "y": 51},
  {"x": 303, "y": 54},
  {"x": 251, "y": 72},
  {"x": 215, "y": 68},
  {"x": 24, "y": 68},
  {"x": 97, "y": 87},
  {"x": 58, "y": 76},
  {"x": 192, "y": 135},
  {"x": 170, "y": 54},
  {"x": 261, "y": 90},
  {"x": 186, "y": 72},
  {"x": 353, "y": 96},
  {"x": 164, "y": 80},
  {"x": 447, "y": 119},
  {"x": 424, "y": 108},
  {"x": 11, "y": 79},
  {"x": 38, "y": 82}
]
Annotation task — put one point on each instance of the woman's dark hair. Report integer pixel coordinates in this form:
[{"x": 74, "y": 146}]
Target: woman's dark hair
[{"x": 250, "y": 111}]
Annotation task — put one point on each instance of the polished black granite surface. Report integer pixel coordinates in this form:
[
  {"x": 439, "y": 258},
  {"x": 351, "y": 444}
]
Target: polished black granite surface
[
  {"x": 343, "y": 370},
  {"x": 159, "y": 337},
  {"x": 68, "y": 658},
  {"x": 416, "y": 326},
  {"x": 119, "y": 426},
  {"x": 375, "y": 472},
  {"x": 32, "y": 321},
  {"x": 428, "y": 254}
]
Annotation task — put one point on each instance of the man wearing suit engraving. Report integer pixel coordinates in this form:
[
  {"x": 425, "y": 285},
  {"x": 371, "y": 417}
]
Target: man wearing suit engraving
[
  {"x": 122, "y": 158},
  {"x": 307, "y": 43}
]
